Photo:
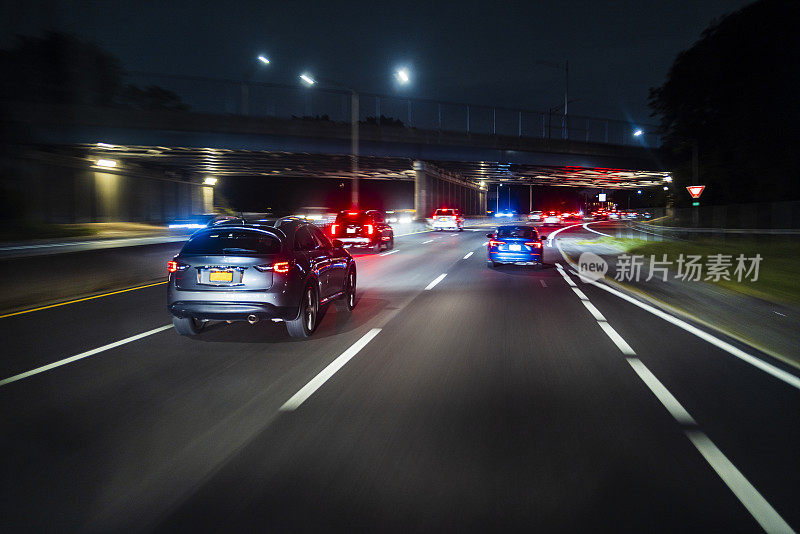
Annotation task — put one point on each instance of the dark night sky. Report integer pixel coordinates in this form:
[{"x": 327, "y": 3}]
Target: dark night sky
[{"x": 477, "y": 52}]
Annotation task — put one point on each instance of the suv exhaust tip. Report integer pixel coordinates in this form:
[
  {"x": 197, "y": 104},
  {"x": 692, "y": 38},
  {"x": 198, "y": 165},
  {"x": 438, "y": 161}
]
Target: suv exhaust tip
[{"x": 252, "y": 319}]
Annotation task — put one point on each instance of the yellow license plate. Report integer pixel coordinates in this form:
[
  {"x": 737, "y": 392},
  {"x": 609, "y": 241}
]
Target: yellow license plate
[{"x": 221, "y": 276}]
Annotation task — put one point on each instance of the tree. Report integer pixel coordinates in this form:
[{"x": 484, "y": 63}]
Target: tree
[
  {"x": 61, "y": 68},
  {"x": 734, "y": 92}
]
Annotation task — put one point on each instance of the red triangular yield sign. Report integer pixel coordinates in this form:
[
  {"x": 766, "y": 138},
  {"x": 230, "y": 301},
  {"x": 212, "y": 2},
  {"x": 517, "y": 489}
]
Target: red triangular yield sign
[{"x": 695, "y": 190}]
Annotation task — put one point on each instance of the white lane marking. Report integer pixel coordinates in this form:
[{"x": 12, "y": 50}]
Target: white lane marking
[
  {"x": 552, "y": 235},
  {"x": 390, "y": 252},
  {"x": 662, "y": 394},
  {"x": 544, "y": 284},
  {"x": 435, "y": 281},
  {"x": 586, "y": 225},
  {"x": 428, "y": 241},
  {"x": 566, "y": 276},
  {"x": 768, "y": 368},
  {"x": 484, "y": 243},
  {"x": 580, "y": 294},
  {"x": 594, "y": 311},
  {"x": 748, "y": 495},
  {"x": 779, "y": 313},
  {"x": 82, "y": 355},
  {"x": 315, "y": 383},
  {"x": 468, "y": 255},
  {"x": 616, "y": 338}
]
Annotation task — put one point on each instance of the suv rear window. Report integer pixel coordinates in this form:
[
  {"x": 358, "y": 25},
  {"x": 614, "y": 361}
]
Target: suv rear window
[
  {"x": 232, "y": 242},
  {"x": 518, "y": 231},
  {"x": 445, "y": 212},
  {"x": 352, "y": 217}
]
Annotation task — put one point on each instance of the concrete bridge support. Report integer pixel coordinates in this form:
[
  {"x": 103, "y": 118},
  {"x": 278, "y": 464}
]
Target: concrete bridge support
[{"x": 433, "y": 188}]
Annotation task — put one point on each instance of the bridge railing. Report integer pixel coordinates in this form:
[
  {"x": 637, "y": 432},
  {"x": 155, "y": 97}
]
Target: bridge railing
[{"x": 209, "y": 95}]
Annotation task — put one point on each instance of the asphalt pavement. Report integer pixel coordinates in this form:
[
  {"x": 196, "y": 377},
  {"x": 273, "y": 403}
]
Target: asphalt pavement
[{"x": 507, "y": 399}]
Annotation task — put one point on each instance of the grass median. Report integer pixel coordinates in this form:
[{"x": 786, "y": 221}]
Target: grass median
[{"x": 777, "y": 274}]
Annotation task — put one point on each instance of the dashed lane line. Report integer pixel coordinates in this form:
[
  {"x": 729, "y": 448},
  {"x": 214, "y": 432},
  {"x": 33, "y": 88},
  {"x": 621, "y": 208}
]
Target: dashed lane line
[
  {"x": 388, "y": 253},
  {"x": 468, "y": 255},
  {"x": 315, "y": 383},
  {"x": 435, "y": 281}
]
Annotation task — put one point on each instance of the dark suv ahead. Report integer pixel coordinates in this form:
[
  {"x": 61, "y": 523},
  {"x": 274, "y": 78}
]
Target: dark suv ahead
[
  {"x": 277, "y": 269},
  {"x": 368, "y": 229}
]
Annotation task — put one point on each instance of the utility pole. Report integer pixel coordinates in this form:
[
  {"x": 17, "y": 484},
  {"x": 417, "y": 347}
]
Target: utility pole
[
  {"x": 354, "y": 116},
  {"x": 530, "y": 198}
]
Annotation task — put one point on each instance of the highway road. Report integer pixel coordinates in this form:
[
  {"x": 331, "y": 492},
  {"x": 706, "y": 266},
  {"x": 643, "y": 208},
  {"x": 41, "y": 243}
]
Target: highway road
[{"x": 455, "y": 397}]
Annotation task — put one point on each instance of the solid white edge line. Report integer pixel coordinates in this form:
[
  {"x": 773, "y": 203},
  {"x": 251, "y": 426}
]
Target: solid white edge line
[
  {"x": 390, "y": 252},
  {"x": 586, "y": 225},
  {"x": 82, "y": 355},
  {"x": 768, "y": 368},
  {"x": 580, "y": 294},
  {"x": 550, "y": 237},
  {"x": 544, "y": 284},
  {"x": 748, "y": 495},
  {"x": 616, "y": 338},
  {"x": 468, "y": 255},
  {"x": 594, "y": 311},
  {"x": 435, "y": 281},
  {"x": 315, "y": 383},
  {"x": 672, "y": 405}
]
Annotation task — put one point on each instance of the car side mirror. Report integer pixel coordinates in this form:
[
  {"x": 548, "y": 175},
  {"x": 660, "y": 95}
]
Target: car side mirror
[
  {"x": 490, "y": 236},
  {"x": 337, "y": 244},
  {"x": 543, "y": 237}
]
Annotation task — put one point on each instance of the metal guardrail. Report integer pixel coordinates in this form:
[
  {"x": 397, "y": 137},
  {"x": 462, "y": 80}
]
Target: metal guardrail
[
  {"x": 717, "y": 231},
  {"x": 220, "y": 96}
]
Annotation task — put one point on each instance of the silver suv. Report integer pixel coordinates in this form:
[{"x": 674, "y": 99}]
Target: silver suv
[{"x": 278, "y": 269}]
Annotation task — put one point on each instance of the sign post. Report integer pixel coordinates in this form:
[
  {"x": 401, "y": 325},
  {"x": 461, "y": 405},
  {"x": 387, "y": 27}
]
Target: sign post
[{"x": 695, "y": 191}]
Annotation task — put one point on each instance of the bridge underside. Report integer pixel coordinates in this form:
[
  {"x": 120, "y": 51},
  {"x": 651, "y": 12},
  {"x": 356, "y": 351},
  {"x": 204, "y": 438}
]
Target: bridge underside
[
  {"x": 221, "y": 163},
  {"x": 127, "y": 185}
]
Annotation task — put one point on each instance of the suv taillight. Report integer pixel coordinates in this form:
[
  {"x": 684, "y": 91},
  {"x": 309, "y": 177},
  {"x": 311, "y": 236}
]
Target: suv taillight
[
  {"x": 333, "y": 229},
  {"x": 369, "y": 228},
  {"x": 534, "y": 244},
  {"x": 494, "y": 243},
  {"x": 174, "y": 266},
  {"x": 281, "y": 267}
]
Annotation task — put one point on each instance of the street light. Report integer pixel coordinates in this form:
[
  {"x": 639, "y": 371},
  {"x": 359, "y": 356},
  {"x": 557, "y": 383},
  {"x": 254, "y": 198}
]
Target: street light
[
  {"x": 402, "y": 75},
  {"x": 638, "y": 133},
  {"x": 210, "y": 180},
  {"x": 307, "y": 79},
  {"x": 247, "y": 77}
]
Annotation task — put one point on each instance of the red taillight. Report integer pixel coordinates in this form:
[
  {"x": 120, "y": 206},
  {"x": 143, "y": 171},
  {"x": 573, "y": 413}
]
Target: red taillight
[
  {"x": 333, "y": 229},
  {"x": 281, "y": 267},
  {"x": 352, "y": 213},
  {"x": 369, "y": 229},
  {"x": 494, "y": 243},
  {"x": 534, "y": 244},
  {"x": 172, "y": 266}
]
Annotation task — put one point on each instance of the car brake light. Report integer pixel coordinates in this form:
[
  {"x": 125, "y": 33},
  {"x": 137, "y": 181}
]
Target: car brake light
[
  {"x": 173, "y": 266},
  {"x": 333, "y": 229},
  {"x": 369, "y": 228},
  {"x": 281, "y": 267},
  {"x": 534, "y": 244},
  {"x": 352, "y": 213},
  {"x": 494, "y": 243}
]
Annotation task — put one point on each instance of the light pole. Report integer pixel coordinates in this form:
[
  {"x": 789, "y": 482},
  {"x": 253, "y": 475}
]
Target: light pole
[
  {"x": 403, "y": 77},
  {"x": 247, "y": 78},
  {"x": 558, "y": 65},
  {"x": 497, "y": 208}
]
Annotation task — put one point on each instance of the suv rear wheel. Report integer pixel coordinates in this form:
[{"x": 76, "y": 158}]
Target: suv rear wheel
[
  {"x": 306, "y": 321},
  {"x": 187, "y": 326}
]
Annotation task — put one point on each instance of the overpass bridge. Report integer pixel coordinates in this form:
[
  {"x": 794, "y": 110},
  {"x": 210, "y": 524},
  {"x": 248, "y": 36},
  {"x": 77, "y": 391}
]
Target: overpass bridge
[{"x": 450, "y": 161}]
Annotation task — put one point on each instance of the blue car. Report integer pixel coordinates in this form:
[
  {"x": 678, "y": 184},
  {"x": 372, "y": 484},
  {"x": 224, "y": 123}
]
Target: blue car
[{"x": 520, "y": 244}]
